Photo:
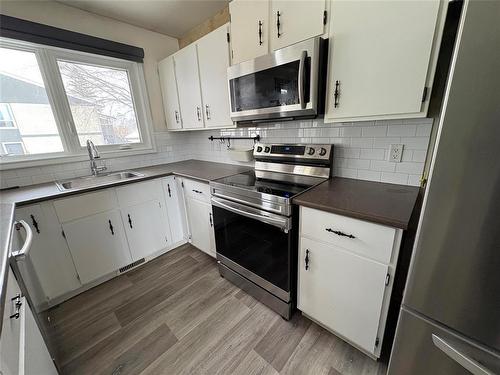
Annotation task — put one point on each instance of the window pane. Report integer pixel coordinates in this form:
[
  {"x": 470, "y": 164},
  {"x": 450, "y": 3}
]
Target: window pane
[
  {"x": 101, "y": 103},
  {"x": 27, "y": 123}
]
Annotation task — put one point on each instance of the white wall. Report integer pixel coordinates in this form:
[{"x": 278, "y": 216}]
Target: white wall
[{"x": 156, "y": 46}]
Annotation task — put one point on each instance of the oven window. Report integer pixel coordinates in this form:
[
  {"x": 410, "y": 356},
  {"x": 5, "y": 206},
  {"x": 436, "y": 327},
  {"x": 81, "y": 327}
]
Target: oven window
[
  {"x": 261, "y": 248},
  {"x": 274, "y": 87}
]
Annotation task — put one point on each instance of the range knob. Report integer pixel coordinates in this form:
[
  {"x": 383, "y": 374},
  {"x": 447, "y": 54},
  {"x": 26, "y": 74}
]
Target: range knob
[
  {"x": 267, "y": 149},
  {"x": 322, "y": 151},
  {"x": 259, "y": 148},
  {"x": 311, "y": 151}
]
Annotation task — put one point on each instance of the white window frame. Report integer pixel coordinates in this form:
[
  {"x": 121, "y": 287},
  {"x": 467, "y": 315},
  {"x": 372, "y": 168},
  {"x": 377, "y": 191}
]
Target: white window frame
[
  {"x": 47, "y": 58},
  {"x": 13, "y": 143},
  {"x": 12, "y": 116}
]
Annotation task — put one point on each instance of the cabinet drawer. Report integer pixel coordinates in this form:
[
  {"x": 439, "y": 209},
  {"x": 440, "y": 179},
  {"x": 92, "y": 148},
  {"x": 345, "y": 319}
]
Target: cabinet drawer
[
  {"x": 72, "y": 208},
  {"x": 371, "y": 240},
  {"x": 197, "y": 190},
  {"x": 140, "y": 192}
]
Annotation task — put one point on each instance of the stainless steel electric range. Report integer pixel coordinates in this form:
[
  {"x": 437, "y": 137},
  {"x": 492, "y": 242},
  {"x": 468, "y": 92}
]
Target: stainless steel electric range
[{"x": 256, "y": 225}]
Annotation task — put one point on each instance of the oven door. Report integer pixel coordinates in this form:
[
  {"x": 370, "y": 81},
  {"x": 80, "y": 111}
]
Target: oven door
[
  {"x": 254, "y": 243},
  {"x": 282, "y": 84}
]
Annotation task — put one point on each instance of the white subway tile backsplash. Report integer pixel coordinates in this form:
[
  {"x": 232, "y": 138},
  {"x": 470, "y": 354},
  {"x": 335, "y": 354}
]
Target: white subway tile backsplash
[
  {"x": 372, "y": 153},
  {"x": 382, "y": 165},
  {"x": 394, "y": 178},
  {"x": 401, "y": 130},
  {"x": 374, "y": 131},
  {"x": 361, "y": 149}
]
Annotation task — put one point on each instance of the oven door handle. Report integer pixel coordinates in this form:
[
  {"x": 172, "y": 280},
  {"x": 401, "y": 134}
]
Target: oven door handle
[
  {"x": 302, "y": 64},
  {"x": 283, "y": 223}
]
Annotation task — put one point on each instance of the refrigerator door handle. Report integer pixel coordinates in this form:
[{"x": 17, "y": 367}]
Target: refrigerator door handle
[{"x": 466, "y": 362}]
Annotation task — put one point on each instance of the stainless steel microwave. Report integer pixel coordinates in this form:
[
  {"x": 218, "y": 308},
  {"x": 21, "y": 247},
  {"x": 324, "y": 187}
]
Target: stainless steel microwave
[{"x": 285, "y": 84}]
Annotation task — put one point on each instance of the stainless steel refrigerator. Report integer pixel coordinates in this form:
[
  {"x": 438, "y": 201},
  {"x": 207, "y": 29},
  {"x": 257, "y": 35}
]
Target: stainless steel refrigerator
[{"x": 449, "y": 322}]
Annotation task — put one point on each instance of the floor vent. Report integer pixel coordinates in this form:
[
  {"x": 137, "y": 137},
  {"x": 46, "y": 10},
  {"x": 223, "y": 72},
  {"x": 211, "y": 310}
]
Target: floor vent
[{"x": 132, "y": 265}]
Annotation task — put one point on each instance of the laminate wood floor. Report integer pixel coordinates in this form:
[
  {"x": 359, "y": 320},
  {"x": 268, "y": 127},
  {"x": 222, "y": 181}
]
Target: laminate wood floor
[{"x": 176, "y": 315}]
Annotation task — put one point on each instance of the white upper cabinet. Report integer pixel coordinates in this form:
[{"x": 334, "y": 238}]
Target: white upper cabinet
[
  {"x": 249, "y": 29},
  {"x": 188, "y": 84},
  {"x": 168, "y": 84},
  {"x": 213, "y": 58},
  {"x": 381, "y": 58},
  {"x": 294, "y": 21}
]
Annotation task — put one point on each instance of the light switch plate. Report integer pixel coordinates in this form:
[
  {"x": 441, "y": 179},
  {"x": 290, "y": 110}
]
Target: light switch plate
[{"x": 396, "y": 153}]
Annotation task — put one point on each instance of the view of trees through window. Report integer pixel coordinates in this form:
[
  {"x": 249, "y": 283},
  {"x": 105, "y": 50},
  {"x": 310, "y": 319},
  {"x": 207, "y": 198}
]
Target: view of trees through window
[
  {"x": 101, "y": 103},
  {"x": 38, "y": 83}
]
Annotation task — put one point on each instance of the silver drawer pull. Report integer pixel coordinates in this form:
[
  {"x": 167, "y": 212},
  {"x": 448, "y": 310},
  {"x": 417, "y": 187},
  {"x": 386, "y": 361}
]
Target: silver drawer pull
[
  {"x": 339, "y": 233},
  {"x": 24, "y": 251},
  {"x": 463, "y": 360},
  {"x": 17, "y": 306},
  {"x": 197, "y": 191}
]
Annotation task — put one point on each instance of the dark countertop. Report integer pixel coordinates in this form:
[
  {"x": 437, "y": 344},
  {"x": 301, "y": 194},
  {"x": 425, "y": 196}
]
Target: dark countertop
[
  {"x": 381, "y": 203},
  {"x": 9, "y": 199}
]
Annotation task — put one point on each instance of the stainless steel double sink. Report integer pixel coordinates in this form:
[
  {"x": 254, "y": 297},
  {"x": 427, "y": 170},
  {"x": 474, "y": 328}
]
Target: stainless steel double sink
[{"x": 99, "y": 180}]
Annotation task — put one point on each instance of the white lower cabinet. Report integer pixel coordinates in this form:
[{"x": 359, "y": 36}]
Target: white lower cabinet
[
  {"x": 146, "y": 229},
  {"x": 22, "y": 348},
  {"x": 97, "y": 244},
  {"x": 175, "y": 209},
  {"x": 342, "y": 290},
  {"x": 200, "y": 225},
  {"x": 340, "y": 284},
  {"x": 49, "y": 255}
]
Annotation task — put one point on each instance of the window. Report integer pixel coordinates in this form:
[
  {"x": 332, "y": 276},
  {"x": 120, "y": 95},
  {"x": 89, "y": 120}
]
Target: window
[{"x": 53, "y": 100}]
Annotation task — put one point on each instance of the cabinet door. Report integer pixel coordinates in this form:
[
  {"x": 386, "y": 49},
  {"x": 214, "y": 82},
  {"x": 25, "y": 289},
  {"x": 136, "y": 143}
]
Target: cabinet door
[
  {"x": 175, "y": 210},
  {"x": 98, "y": 245},
  {"x": 291, "y": 16},
  {"x": 188, "y": 84},
  {"x": 199, "y": 225},
  {"x": 36, "y": 357},
  {"x": 247, "y": 18},
  {"x": 146, "y": 228},
  {"x": 49, "y": 254},
  {"x": 379, "y": 55},
  {"x": 213, "y": 58},
  {"x": 341, "y": 290},
  {"x": 10, "y": 338},
  {"x": 168, "y": 84},
  {"x": 212, "y": 248}
]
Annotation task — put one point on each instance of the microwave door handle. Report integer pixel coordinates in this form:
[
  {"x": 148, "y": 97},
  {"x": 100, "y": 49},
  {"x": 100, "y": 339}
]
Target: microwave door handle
[
  {"x": 302, "y": 69},
  {"x": 277, "y": 222},
  {"x": 23, "y": 252}
]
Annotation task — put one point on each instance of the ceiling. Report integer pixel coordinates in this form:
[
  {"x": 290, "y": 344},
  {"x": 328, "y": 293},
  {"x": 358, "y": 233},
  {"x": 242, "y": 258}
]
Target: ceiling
[{"x": 171, "y": 17}]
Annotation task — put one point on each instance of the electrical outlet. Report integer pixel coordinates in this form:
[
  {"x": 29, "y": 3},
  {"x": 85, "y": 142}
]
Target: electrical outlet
[{"x": 396, "y": 153}]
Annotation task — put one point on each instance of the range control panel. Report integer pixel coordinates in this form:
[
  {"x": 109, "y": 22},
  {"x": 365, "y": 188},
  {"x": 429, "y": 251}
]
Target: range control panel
[{"x": 310, "y": 151}]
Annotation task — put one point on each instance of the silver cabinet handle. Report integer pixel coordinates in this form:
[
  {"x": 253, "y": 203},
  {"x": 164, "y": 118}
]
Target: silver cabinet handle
[
  {"x": 302, "y": 63},
  {"x": 207, "y": 111},
  {"x": 198, "y": 112},
  {"x": 176, "y": 116},
  {"x": 23, "y": 251},
  {"x": 468, "y": 363}
]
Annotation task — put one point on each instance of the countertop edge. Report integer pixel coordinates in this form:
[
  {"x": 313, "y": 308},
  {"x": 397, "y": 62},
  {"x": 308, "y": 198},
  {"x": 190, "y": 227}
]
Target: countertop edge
[{"x": 354, "y": 214}]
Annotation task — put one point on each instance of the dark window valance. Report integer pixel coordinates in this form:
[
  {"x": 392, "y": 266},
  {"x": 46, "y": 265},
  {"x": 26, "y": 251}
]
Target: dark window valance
[{"x": 16, "y": 28}]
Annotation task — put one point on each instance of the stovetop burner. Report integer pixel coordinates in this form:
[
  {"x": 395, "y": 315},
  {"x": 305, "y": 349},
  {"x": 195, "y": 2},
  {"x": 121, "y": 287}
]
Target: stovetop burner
[{"x": 250, "y": 181}]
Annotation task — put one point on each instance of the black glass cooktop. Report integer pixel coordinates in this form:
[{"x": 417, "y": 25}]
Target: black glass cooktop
[{"x": 249, "y": 181}]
